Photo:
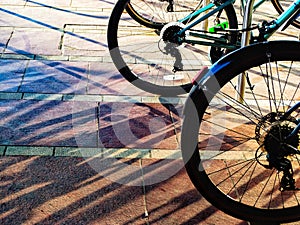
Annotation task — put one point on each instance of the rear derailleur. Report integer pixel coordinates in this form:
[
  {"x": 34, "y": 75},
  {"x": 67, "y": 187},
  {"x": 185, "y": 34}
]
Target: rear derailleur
[{"x": 279, "y": 135}]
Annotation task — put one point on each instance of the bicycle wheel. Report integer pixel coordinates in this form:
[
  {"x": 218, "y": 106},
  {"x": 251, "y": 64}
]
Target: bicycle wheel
[
  {"x": 281, "y": 5},
  {"x": 156, "y": 13},
  {"x": 151, "y": 61},
  {"x": 235, "y": 152}
]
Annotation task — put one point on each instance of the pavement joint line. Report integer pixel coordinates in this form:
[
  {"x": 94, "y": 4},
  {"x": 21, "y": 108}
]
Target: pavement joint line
[
  {"x": 90, "y": 98},
  {"x": 36, "y": 96},
  {"x": 29, "y": 151},
  {"x": 10, "y": 96},
  {"x": 89, "y": 27},
  {"x": 14, "y": 56},
  {"x": 90, "y": 152},
  {"x": 75, "y": 58},
  {"x": 24, "y": 28},
  {"x": 82, "y": 98},
  {"x": 118, "y": 153},
  {"x": 179, "y": 100}
]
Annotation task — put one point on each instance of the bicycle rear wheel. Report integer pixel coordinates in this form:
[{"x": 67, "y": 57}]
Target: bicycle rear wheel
[
  {"x": 156, "y": 13},
  {"x": 281, "y": 5},
  {"x": 148, "y": 61},
  {"x": 235, "y": 153}
]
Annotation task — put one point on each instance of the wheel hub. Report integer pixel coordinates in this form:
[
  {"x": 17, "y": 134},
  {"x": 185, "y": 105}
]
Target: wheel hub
[
  {"x": 271, "y": 133},
  {"x": 274, "y": 141}
]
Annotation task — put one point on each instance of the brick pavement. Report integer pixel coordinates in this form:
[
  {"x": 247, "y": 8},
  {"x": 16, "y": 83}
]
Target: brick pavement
[{"x": 61, "y": 102}]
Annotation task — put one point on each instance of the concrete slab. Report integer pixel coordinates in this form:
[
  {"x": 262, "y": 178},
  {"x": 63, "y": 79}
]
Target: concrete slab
[
  {"x": 47, "y": 190},
  {"x": 55, "y": 77},
  {"x": 135, "y": 125},
  {"x": 48, "y": 123},
  {"x": 35, "y": 41}
]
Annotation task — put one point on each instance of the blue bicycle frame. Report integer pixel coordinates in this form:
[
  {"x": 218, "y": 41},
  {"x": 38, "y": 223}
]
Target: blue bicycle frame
[
  {"x": 287, "y": 16},
  {"x": 268, "y": 31}
]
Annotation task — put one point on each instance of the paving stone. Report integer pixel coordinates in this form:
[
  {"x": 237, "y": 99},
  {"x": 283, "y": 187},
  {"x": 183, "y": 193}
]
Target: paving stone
[
  {"x": 165, "y": 154},
  {"x": 48, "y": 123},
  {"x": 136, "y": 125},
  {"x": 5, "y": 34},
  {"x": 128, "y": 99},
  {"x": 64, "y": 191},
  {"x": 39, "y": 41},
  {"x": 55, "y": 77},
  {"x": 49, "y": 3},
  {"x": 128, "y": 153},
  {"x": 174, "y": 200},
  {"x": 105, "y": 79},
  {"x": 11, "y": 73},
  {"x": 84, "y": 40},
  {"x": 28, "y": 151},
  {"x": 78, "y": 152},
  {"x": 83, "y": 98},
  {"x": 6, "y": 96},
  {"x": 18, "y": 56},
  {"x": 25, "y": 16},
  {"x": 38, "y": 17},
  {"x": 93, "y": 3},
  {"x": 52, "y": 57},
  {"x": 13, "y": 2},
  {"x": 36, "y": 96}
]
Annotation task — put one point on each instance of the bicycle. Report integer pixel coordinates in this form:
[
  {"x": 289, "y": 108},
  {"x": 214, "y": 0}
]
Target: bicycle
[
  {"x": 164, "y": 61},
  {"x": 241, "y": 148},
  {"x": 243, "y": 156}
]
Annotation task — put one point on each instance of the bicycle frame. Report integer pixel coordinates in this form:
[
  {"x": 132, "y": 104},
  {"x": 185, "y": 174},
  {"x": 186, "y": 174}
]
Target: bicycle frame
[
  {"x": 204, "y": 9},
  {"x": 268, "y": 30},
  {"x": 211, "y": 5},
  {"x": 211, "y": 37},
  {"x": 282, "y": 19},
  {"x": 297, "y": 128}
]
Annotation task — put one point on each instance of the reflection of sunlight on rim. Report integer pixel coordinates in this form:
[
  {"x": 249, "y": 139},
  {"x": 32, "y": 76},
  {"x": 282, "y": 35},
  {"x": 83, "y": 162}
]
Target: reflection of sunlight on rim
[
  {"x": 173, "y": 77},
  {"x": 126, "y": 166}
]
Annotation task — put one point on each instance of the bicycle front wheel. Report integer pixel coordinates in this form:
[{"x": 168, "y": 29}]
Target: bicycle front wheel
[
  {"x": 234, "y": 145},
  {"x": 149, "y": 58}
]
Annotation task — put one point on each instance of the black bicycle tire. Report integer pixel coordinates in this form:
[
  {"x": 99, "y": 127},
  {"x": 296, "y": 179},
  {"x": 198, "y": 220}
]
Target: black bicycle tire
[
  {"x": 112, "y": 40},
  {"x": 144, "y": 21},
  {"x": 195, "y": 106},
  {"x": 280, "y": 10},
  {"x": 140, "y": 19}
]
